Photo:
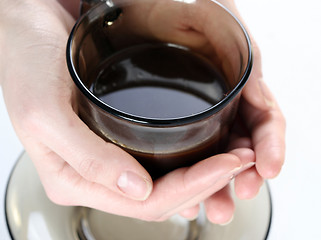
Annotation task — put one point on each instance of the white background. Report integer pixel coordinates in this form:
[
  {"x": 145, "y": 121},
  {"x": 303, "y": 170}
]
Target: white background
[{"x": 289, "y": 34}]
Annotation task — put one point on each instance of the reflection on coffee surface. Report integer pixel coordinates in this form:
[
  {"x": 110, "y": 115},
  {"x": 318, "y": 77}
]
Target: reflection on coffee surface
[{"x": 158, "y": 81}]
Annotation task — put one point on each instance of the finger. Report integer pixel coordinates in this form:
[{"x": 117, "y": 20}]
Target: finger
[
  {"x": 247, "y": 158},
  {"x": 265, "y": 120},
  {"x": 268, "y": 137},
  {"x": 186, "y": 187},
  {"x": 254, "y": 91},
  {"x": 220, "y": 207},
  {"x": 64, "y": 186},
  {"x": 247, "y": 183},
  {"x": 190, "y": 213}
]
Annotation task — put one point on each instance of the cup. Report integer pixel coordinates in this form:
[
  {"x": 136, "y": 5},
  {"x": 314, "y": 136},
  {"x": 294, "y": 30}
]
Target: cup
[{"x": 157, "y": 81}]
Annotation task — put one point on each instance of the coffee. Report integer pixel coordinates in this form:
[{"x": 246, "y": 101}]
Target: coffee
[
  {"x": 163, "y": 82},
  {"x": 159, "y": 81}
]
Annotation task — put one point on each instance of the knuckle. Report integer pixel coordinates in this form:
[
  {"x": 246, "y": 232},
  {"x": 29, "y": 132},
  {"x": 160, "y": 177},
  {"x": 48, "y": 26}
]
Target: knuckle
[
  {"x": 150, "y": 213},
  {"x": 31, "y": 120},
  {"x": 89, "y": 169},
  {"x": 56, "y": 196}
]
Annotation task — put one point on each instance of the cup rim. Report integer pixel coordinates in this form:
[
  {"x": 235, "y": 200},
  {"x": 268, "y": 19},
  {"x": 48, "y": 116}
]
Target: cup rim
[{"x": 158, "y": 121}]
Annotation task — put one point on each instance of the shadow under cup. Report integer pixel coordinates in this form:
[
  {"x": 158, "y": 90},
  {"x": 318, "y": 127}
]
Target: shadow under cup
[{"x": 109, "y": 32}]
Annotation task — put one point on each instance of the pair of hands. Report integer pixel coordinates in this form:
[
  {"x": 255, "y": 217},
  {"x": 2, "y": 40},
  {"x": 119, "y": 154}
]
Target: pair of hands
[{"x": 77, "y": 167}]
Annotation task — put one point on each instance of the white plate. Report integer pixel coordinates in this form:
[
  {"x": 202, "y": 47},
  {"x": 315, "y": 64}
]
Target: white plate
[{"x": 31, "y": 215}]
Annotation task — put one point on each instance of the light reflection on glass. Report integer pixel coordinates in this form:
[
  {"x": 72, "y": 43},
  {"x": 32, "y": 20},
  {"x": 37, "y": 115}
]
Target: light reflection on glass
[
  {"x": 37, "y": 227},
  {"x": 185, "y": 1}
]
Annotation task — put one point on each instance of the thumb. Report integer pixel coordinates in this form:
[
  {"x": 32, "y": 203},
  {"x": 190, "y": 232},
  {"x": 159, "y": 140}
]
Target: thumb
[{"x": 96, "y": 160}]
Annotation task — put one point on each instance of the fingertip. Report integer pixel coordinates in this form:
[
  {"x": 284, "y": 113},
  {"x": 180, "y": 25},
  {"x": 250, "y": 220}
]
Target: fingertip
[
  {"x": 190, "y": 213},
  {"x": 269, "y": 165},
  {"x": 220, "y": 207},
  {"x": 270, "y": 171},
  {"x": 248, "y": 184},
  {"x": 220, "y": 216}
]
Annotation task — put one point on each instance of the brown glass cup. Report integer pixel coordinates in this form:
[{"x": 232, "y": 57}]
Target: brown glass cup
[{"x": 159, "y": 144}]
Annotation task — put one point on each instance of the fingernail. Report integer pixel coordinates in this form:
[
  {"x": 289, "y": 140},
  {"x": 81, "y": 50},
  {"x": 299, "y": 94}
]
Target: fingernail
[
  {"x": 236, "y": 171},
  {"x": 265, "y": 94},
  {"x": 134, "y": 186},
  {"x": 244, "y": 167}
]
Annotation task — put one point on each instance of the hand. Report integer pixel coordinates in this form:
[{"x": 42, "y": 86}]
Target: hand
[
  {"x": 260, "y": 127},
  {"x": 259, "y": 117},
  {"x": 77, "y": 167}
]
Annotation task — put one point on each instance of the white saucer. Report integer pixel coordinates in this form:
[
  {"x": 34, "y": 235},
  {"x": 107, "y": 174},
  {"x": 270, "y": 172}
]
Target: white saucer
[{"x": 31, "y": 215}]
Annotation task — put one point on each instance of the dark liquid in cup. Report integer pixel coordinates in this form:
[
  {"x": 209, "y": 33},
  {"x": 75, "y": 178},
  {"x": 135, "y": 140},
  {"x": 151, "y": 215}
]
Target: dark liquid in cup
[{"x": 161, "y": 81}]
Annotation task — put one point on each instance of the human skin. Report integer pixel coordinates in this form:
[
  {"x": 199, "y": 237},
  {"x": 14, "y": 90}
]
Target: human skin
[{"x": 76, "y": 167}]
